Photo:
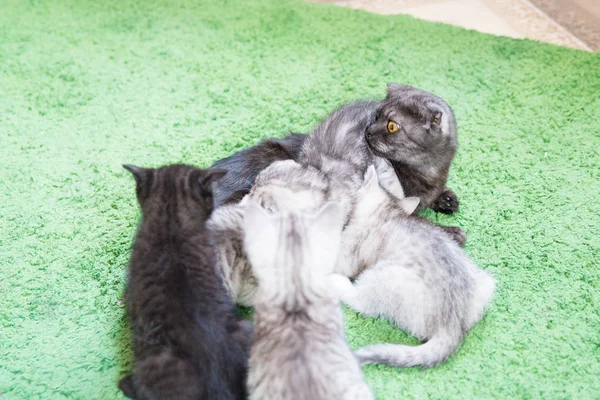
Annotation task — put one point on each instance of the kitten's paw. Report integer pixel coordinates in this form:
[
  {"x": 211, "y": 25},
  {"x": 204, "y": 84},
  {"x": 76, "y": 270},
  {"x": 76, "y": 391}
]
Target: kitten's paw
[
  {"x": 457, "y": 234},
  {"x": 446, "y": 203},
  {"x": 340, "y": 285}
]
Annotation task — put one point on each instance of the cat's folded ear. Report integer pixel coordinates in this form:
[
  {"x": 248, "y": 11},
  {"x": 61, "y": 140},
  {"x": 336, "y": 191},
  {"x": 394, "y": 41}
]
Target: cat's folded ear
[
  {"x": 410, "y": 204},
  {"x": 211, "y": 175},
  {"x": 436, "y": 115}
]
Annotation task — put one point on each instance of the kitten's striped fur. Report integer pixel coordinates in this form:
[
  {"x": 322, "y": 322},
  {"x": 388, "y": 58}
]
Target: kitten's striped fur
[
  {"x": 415, "y": 274},
  {"x": 299, "y": 351}
]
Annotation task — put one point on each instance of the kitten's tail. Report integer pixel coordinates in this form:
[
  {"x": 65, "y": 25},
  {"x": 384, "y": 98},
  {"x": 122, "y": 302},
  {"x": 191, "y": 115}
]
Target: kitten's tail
[{"x": 429, "y": 354}]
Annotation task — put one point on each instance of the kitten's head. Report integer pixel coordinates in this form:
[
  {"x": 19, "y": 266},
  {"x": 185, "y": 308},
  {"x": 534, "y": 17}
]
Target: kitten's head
[
  {"x": 287, "y": 185},
  {"x": 414, "y": 127},
  {"x": 371, "y": 196},
  {"x": 292, "y": 253},
  {"x": 175, "y": 189}
]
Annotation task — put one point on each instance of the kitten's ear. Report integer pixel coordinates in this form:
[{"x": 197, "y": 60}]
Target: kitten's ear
[
  {"x": 260, "y": 243},
  {"x": 127, "y": 386},
  {"x": 325, "y": 234},
  {"x": 143, "y": 176},
  {"x": 211, "y": 175},
  {"x": 245, "y": 200},
  {"x": 330, "y": 216},
  {"x": 370, "y": 177},
  {"x": 410, "y": 204},
  {"x": 255, "y": 218}
]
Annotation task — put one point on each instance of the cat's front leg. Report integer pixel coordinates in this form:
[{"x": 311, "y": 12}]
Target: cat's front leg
[{"x": 446, "y": 203}]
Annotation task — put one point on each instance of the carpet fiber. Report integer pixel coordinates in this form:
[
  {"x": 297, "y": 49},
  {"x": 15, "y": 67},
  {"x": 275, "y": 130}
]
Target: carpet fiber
[{"x": 88, "y": 85}]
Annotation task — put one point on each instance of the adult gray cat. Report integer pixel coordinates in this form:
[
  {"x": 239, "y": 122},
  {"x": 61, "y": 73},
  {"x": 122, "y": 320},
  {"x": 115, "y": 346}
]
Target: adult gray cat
[
  {"x": 299, "y": 351},
  {"x": 416, "y": 276},
  {"x": 424, "y": 180}
]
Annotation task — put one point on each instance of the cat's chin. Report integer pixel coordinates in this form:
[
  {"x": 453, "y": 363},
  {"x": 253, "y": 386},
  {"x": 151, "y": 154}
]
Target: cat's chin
[{"x": 379, "y": 153}]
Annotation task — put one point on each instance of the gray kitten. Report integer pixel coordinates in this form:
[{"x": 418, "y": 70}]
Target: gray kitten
[
  {"x": 417, "y": 276},
  {"x": 284, "y": 184},
  {"x": 299, "y": 351}
]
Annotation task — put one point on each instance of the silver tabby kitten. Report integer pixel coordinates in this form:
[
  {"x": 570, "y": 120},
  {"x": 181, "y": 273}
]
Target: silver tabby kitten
[
  {"x": 417, "y": 276},
  {"x": 283, "y": 185},
  {"x": 299, "y": 351}
]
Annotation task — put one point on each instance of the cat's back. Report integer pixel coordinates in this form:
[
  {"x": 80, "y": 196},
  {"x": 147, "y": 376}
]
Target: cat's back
[
  {"x": 434, "y": 256},
  {"x": 306, "y": 362},
  {"x": 340, "y": 136}
]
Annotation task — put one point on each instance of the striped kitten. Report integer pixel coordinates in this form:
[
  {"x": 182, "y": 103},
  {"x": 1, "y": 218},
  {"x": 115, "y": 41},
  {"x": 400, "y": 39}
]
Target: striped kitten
[
  {"x": 284, "y": 185},
  {"x": 416, "y": 275},
  {"x": 299, "y": 350}
]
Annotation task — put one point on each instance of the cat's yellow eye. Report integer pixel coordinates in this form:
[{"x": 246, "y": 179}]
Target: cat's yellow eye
[{"x": 392, "y": 127}]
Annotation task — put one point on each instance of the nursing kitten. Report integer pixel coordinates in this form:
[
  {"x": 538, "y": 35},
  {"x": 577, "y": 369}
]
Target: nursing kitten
[
  {"x": 188, "y": 342},
  {"x": 299, "y": 351},
  {"x": 415, "y": 275},
  {"x": 284, "y": 184},
  {"x": 425, "y": 180}
]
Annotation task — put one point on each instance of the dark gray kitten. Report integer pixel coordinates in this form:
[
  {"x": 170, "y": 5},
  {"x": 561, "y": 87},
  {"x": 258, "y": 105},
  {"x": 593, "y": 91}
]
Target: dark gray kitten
[
  {"x": 414, "y": 274},
  {"x": 188, "y": 342},
  {"x": 299, "y": 351},
  {"x": 414, "y": 109}
]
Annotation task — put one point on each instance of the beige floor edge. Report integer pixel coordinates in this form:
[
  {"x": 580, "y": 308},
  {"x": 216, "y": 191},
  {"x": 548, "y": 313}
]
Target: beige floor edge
[{"x": 513, "y": 18}]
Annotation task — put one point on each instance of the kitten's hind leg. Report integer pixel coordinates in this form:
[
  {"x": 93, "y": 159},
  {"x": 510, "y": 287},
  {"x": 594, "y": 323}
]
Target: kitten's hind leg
[{"x": 395, "y": 291}]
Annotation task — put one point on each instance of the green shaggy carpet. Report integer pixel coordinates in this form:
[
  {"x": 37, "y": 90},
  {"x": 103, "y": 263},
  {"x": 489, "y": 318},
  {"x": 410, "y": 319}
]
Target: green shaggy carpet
[{"x": 88, "y": 85}]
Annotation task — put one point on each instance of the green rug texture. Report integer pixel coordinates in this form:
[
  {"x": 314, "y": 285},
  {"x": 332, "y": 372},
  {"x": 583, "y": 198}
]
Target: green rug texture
[{"x": 88, "y": 85}]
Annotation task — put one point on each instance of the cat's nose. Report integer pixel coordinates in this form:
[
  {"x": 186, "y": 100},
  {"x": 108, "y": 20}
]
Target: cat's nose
[{"x": 368, "y": 132}]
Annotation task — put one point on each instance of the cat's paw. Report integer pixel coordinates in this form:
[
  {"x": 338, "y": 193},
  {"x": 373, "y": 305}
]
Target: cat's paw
[
  {"x": 457, "y": 234},
  {"x": 446, "y": 203},
  {"x": 340, "y": 285}
]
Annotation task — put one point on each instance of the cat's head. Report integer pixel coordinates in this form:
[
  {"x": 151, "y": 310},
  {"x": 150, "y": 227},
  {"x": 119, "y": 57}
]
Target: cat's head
[
  {"x": 414, "y": 127},
  {"x": 179, "y": 189},
  {"x": 288, "y": 185},
  {"x": 371, "y": 196},
  {"x": 292, "y": 253}
]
